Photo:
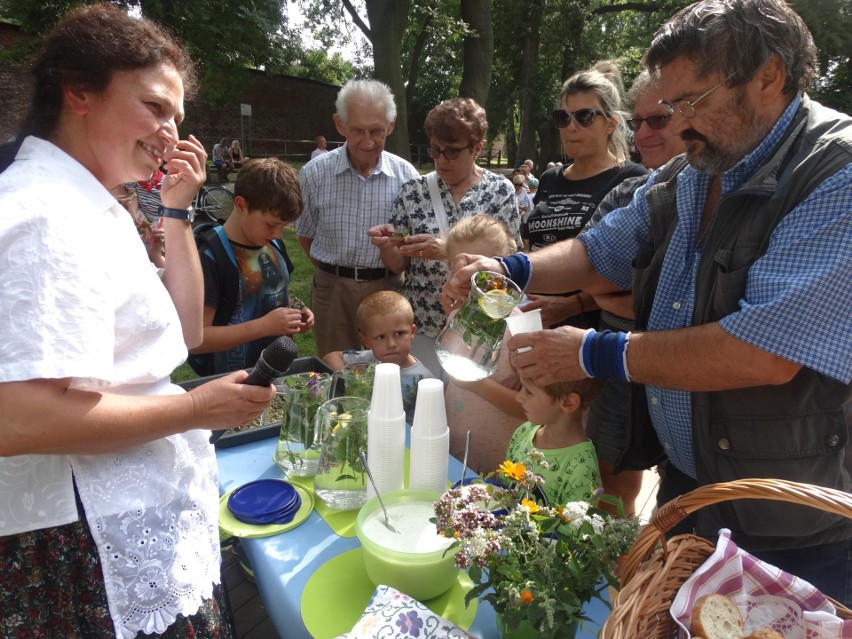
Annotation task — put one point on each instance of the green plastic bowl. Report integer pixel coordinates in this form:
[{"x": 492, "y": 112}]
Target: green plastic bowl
[{"x": 422, "y": 575}]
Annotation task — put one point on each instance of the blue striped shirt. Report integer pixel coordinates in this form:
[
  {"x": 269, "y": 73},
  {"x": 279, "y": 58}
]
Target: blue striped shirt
[
  {"x": 798, "y": 298},
  {"x": 340, "y": 205}
]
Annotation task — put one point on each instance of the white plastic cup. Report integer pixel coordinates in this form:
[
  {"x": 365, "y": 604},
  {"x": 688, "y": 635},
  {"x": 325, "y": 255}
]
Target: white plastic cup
[
  {"x": 430, "y": 411},
  {"x": 527, "y": 322},
  {"x": 386, "y": 402},
  {"x": 429, "y": 465}
]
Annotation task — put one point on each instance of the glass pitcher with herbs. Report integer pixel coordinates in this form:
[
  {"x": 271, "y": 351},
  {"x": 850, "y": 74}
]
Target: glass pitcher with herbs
[
  {"x": 470, "y": 342},
  {"x": 296, "y": 402}
]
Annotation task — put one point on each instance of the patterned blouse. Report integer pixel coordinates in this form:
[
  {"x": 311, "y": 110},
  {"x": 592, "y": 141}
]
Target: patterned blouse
[{"x": 413, "y": 213}]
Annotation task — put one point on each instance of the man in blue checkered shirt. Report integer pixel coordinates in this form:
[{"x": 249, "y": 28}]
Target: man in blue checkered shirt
[{"x": 739, "y": 256}]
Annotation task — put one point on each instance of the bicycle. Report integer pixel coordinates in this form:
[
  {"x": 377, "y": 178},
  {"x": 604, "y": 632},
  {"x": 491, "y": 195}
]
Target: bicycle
[{"x": 212, "y": 204}]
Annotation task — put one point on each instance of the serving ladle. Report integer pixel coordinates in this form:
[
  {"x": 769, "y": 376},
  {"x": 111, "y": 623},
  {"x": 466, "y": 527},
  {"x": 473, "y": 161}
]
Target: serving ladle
[{"x": 375, "y": 488}]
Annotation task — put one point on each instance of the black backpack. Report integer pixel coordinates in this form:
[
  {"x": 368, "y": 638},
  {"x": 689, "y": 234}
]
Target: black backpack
[{"x": 211, "y": 240}]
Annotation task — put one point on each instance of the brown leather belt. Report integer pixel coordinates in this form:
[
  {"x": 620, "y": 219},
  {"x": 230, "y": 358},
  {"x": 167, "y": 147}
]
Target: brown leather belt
[{"x": 356, "y": 273}]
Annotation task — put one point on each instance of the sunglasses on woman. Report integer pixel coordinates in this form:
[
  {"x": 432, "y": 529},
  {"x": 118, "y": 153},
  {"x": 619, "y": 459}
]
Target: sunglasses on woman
[
  {"x": 584, "y": 117},
  {"x": 655, "y": 122}
]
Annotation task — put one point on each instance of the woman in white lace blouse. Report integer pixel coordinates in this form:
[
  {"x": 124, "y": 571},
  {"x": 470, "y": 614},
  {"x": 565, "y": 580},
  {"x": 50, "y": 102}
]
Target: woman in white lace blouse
[{"x": 108, "y": 487}]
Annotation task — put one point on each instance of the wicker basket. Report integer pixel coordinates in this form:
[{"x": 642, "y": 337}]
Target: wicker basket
[{"x": 651, "y": 576}]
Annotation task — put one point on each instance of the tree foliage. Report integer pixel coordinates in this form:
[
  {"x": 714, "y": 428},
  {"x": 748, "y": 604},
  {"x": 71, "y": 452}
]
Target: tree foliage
[
  {"x": 222, "y": 37},
  {"x": 431, "y": 50}
]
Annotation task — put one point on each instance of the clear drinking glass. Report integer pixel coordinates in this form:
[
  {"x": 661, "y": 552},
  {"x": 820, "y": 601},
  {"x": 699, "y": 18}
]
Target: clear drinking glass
[
  {"x": 340, "y": 480},
  {"x": 296, "y": 403}
]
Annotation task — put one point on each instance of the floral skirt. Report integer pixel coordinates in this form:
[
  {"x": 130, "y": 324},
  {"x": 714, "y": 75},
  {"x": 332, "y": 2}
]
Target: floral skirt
[{"x": 51, "y": 585}]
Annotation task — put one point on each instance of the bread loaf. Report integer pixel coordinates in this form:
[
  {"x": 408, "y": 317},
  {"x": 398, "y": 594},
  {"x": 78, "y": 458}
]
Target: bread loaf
[
  {"x": 764, "y": 633},
  {"x": 717, "y": 617}
]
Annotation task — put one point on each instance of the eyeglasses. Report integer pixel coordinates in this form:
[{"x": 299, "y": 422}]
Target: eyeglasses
[
  {"x": 583, "y": 117},
  {"x": 654, "y": 122},
  {"x": 451, "y": 153},
  {"x": 687, "y": 107}
]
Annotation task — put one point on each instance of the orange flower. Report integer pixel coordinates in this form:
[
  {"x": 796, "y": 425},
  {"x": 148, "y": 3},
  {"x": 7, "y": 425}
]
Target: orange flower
[
  {"x": 512, "y": 470},
  {"x": 527, "y": 596},
  {"x": 530, "y": 505}
]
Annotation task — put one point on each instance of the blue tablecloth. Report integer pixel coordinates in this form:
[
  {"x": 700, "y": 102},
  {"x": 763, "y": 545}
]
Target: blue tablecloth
[{"x": 283, "y": 563}]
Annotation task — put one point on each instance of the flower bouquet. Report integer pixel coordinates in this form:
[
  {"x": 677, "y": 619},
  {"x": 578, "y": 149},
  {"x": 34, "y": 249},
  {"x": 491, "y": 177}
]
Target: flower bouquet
[{"x": 535, "y": 563}]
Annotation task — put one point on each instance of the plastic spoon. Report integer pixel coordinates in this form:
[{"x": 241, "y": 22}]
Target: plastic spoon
[{"x": 378, "y": 496}]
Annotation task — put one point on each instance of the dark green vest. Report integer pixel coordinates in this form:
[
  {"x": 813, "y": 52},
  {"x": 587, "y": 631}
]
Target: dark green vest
[{"x": 797, "y": 431}]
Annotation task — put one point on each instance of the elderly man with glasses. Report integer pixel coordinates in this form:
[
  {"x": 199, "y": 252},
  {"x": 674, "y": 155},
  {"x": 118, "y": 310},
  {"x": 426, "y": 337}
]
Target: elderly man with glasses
[
  {"x": 740, "y": 263},
  {"x": 346, "y": 191}
]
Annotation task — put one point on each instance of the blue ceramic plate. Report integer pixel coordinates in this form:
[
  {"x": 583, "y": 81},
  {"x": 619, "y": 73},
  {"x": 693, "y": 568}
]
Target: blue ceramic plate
[{"x": 264, "y": 501}]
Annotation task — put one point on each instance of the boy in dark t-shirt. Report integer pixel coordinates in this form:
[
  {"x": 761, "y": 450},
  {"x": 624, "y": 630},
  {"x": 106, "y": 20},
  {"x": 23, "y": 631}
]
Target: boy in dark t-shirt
[{"x": 266, "y": 197}]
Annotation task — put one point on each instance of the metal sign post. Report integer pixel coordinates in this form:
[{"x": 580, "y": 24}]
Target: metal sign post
[{"x": 245, "y": 112}]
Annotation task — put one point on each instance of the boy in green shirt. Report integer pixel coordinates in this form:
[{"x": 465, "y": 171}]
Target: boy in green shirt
[{"x": 555, "y": 428}]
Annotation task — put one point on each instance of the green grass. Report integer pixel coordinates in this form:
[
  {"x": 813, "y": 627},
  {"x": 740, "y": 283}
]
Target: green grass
[{"x": 300, "y": 286}]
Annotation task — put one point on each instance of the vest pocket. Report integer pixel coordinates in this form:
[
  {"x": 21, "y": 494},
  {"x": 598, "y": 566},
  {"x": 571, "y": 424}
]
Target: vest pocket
[{"x": 805, "y": 447}]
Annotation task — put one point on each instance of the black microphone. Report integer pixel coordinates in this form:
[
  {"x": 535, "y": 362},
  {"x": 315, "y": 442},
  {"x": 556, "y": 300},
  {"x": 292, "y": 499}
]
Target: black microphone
[{"x": 274, "y": 361}]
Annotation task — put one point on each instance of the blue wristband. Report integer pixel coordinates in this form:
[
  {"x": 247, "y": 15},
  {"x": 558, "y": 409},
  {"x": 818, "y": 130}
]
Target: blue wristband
[
  {"x": 518, "y": 269},
  {"x": 603, "y": 355}
]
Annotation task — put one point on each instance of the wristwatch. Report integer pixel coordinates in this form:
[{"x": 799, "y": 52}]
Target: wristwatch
[{"x": 188, "y": 215}]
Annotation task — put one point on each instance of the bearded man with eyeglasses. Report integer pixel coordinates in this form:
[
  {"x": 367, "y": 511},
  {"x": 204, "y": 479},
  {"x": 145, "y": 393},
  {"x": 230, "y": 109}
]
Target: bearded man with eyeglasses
[{"x": 740, "y": 262}]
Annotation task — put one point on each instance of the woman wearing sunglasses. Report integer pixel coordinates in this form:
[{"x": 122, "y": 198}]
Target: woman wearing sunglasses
[
  {"x": 588, "y": 122},
  {"x": 428, "y": 206}
]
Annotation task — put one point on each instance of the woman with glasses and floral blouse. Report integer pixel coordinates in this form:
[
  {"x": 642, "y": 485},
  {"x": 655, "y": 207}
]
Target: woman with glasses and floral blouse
[
  {"x": 591, "y": 134},
  {"x": 427, "y": 207}
]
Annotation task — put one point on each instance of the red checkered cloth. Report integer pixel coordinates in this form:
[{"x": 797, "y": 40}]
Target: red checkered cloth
[{"x": 766, "y": 596}]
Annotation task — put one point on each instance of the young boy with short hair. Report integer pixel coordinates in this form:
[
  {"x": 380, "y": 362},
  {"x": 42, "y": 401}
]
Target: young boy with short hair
[
  {"x": 247, "y": 271},
  {"x": 385, "y": 322},
  {"x": 555, "y": 427}
]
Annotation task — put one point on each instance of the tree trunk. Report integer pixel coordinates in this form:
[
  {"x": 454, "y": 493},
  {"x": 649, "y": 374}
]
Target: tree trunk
[
  {"x": 478, "y": 50},
  {"x": 511, "y": 141},
  {"x": 529, "y": 71},
  {"x": 388, "y": 19},
  {"x": 416, "y": 61}
]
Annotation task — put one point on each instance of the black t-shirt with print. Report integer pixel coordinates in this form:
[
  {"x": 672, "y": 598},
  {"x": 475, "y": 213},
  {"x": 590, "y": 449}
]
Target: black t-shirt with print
[{"x": 563, "y": 206}]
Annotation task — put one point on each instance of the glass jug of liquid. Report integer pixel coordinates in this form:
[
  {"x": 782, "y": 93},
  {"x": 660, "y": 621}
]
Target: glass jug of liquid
[
  {"x": 340, "y": 481},
  {"x": 296, "y": 403},
  {"x": 470, "y": 342}
]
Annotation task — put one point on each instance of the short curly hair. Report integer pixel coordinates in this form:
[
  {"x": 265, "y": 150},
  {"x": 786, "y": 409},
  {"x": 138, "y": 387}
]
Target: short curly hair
[{"x": 456, "y": 120}]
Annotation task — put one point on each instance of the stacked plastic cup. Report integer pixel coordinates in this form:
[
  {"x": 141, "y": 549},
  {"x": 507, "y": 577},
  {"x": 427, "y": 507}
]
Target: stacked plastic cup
[
  {"x": 386, "y": 431},
  {"x": 430, "y": 438}
]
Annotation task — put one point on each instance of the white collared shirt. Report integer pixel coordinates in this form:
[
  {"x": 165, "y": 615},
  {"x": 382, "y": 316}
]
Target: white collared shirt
[{"x": 79, "y": 299}]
